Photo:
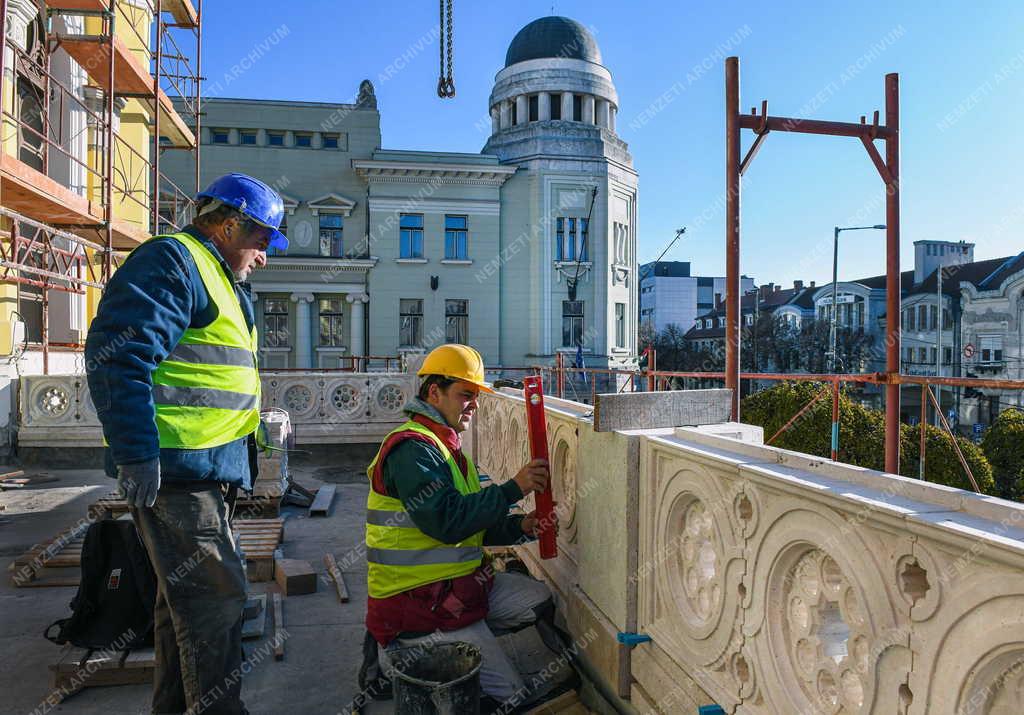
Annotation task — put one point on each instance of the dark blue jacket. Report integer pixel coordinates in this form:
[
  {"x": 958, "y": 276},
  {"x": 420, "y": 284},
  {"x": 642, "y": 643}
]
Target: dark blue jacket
[{"x": 148, "y": 304}]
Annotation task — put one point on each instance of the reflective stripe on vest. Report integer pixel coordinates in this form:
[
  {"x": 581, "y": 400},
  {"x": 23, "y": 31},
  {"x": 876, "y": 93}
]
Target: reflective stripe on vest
[
  {"x": 207, "y": 390},
  {"x": 399, "y": 556}
]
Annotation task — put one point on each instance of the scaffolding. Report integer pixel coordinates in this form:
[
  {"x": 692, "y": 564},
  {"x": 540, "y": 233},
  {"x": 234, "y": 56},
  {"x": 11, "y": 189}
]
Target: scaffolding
[{"x": 70, "y": 235}]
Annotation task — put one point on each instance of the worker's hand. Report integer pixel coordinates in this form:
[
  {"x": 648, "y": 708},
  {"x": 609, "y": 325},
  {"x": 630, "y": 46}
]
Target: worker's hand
[
  {"x": 140, "y": 482},
  {"x": 533, "y": 477},
  {"x": 531, "y": 523}
]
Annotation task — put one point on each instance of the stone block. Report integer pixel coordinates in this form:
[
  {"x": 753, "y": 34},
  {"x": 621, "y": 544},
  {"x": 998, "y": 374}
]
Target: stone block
[
  {"x": 295, "y": 577},
  {"x": 647, "y": 410}
]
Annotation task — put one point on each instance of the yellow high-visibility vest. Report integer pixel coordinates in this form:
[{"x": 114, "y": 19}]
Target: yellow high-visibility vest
[
  {"x": 400, "y": 557},
  {"x": 207, "y": 390}
]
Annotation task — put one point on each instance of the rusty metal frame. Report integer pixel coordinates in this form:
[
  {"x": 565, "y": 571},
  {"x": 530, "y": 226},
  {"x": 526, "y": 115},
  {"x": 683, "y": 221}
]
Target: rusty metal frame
[{"x": 888, "y": 171}]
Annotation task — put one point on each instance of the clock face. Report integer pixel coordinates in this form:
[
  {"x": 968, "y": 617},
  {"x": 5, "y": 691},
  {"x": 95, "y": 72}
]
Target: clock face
[{"x": 303, "y": 233}]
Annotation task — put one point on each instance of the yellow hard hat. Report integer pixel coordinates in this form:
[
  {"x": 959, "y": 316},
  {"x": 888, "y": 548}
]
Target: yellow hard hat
[{"x": 460, "y": 362}]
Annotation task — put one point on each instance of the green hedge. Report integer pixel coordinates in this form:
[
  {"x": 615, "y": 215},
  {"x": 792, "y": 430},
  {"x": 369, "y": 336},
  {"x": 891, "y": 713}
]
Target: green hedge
[
  {"x": 861, "y": 435},
  {"x": 1003, "y": 444}
]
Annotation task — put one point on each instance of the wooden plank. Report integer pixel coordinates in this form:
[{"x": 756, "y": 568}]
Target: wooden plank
[
  {"x": 183, "y": 12},
  {"x": 253, "y": 626},
  {"x": 294, "y": 576},
  {"x": 322, "y": 503},
  {"x": 339, "y": 580},
  {"x": 12, "y": 475},
  {"x": 649, "y": 410},
  {"x": 564, "y": 703},
  {"x": 278, "y": 627}
]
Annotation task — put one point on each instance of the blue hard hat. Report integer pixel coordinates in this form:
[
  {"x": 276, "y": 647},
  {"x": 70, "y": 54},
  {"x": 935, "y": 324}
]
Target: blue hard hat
[{"x": 253, "y": 199}]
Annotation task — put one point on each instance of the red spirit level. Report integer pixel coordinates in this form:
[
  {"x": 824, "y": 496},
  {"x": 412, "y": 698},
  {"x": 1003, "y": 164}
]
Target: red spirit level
[{"x": 537, "y": 432}]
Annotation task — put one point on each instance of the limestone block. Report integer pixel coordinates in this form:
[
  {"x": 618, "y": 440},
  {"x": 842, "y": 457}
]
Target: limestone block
[
  {"x": 606, "y": 515},
  {"x": 668, "y": 689},
  {"x": 690, "y": 573}
]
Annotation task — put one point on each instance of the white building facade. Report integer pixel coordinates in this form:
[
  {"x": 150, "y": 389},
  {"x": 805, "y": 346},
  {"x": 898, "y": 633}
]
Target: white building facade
[{"x": 395, "y": 252}]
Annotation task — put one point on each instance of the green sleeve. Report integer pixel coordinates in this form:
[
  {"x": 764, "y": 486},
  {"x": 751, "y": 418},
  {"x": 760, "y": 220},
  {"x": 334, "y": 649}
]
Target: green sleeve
[
  {"x": 416, "y": 473},
  {"x": 507, "y": 532}
]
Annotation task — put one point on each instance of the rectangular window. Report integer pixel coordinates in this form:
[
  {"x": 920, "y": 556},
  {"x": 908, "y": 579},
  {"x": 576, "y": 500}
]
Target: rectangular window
[
  {"x": 991, "y": 348},
  {"x": 572, "y": 323},
  {"x": 456, "y": 238},
  {"x": 275, "y": 138},
  {"x": 456, "y": 321},
  {"x": 932, "y": 317},
  {"x": 922, "y": 317},
  {"x": 330, "y": 141},
  {"x": 570, "y": 239},
  {"x": 584, "y": 239},
  {"x": 947, "y": 356},
  {"x": 620, "y": 325},
  {"x": 410, "y": 322},
  {"x": 275, "y": 322},
  {"x": 559, "y": 239},
  {"x": 931, "y": 355},
  {"x": 556, "y": 106},
  {"x": 330, "y": 323},
  {"x": 922, "y": 355},
  {"x": 247, "y": 138},
  {"x": 331, "y": 243},
  {"x": 411, "y": 235},
  {"x": 533, "y": 102},
  {"x": 947, "y": 319},
  {"x": 303, "y": 140},
  {"x": 909, "y": 324},
  {"x": 220, "y": 136}
]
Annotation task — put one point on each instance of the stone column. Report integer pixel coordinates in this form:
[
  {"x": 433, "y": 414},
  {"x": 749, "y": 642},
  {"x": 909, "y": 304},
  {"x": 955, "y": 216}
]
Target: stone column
[
  {"x": 544, "y": 106},
  {"x": 612, "y": 112},
  {"x": 357, "y": 339},
  {"x": 602, "y": 113},
  {"x": 587, "y": 114},
  {"x": 495, "y": 120},
  {"x": 522, "y": 109},
  {"x": 303, "y": 337},
  {"x": 567, "y": 106},
  {"x": 505, "y": 112}
]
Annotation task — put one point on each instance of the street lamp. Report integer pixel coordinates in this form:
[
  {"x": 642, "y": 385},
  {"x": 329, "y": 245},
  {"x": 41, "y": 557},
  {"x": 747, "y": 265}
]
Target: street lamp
[{"x": 835, "y": 270}]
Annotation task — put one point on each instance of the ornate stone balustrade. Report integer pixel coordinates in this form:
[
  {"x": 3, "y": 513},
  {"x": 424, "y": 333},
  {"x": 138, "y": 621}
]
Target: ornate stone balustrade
[
  {"x": 57, "y": 411},
  {"x": 769, "y": 581}
]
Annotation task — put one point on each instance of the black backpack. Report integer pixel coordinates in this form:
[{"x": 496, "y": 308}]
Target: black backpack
[{"x": 113, "y": 608}]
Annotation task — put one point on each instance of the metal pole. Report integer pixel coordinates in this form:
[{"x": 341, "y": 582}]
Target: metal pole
[
  {"x": 832, "y": 327},
  {"x": 892, "y": 268},
  {"x": 155, "y": 189},
  {"x": 835, "y": 420},
  {"x": 732, "y": 230},
  {"x": 924, "y": 427},
  {"x": 938, "y": 337},
  {"x": 198, "y": 98}
]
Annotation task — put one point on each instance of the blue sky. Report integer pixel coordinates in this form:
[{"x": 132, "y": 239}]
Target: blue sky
[{"x": 962, "y": 81}]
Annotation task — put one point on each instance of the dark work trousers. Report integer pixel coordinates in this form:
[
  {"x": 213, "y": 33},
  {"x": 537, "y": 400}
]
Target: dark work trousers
[{"x": 201, "y": 593}]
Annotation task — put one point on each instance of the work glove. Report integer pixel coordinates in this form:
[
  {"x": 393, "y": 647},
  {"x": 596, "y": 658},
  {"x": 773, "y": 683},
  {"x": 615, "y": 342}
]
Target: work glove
[{"x": 139, "y": 483}]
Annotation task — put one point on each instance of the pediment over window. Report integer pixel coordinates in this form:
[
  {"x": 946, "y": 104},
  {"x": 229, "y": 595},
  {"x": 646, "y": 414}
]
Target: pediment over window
[
  {"x": 290, "y": 204},
  {"x": 332, "y": 203}
]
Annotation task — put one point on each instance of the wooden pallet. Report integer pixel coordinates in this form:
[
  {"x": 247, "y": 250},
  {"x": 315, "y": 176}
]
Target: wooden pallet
[
  {"x": 264, "y": 503},
  {"x": 110, "y": 506},
  {"x": 51, "y": 563},
  {"x": 259, "y": 540},
  {"x": 78, "y": 668},
  {"x": 58, "y": 561}
]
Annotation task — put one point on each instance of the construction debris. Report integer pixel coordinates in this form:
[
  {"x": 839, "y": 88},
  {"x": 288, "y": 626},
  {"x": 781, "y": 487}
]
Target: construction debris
[
  {"x": 322, "y": 503},
  {"x": 295, "y": 577},
  {"x": 278, "y": 627},
  {"x": 335, "y": 573},
  {"x": 255, "y": 617}
]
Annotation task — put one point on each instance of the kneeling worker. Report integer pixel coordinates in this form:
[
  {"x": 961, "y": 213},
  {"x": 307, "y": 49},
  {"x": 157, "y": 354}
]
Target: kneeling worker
[{"x": 428, "y": 519}]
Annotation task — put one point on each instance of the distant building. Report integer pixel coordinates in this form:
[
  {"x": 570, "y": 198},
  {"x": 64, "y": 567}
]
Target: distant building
[
  {"x": 395, "y": 252},
  {"x": 670, "y": 295}
]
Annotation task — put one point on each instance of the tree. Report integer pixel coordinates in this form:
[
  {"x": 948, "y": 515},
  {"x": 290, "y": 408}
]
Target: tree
[
  {"x": 1003, "y": 444},
  {"x": 861, "y": 435}
]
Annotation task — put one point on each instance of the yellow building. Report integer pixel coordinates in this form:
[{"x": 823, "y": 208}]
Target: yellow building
[{"x": 84, "y": 117}]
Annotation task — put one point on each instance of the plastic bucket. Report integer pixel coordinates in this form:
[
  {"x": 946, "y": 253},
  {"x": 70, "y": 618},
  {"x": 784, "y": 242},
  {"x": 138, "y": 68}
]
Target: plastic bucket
[{"x": 442, "y": 678}]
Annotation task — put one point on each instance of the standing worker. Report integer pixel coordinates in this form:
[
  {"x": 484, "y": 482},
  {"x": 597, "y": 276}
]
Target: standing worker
[
  {"x": 171, "y": 364},
  {"x": 427, "y": 521}
]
